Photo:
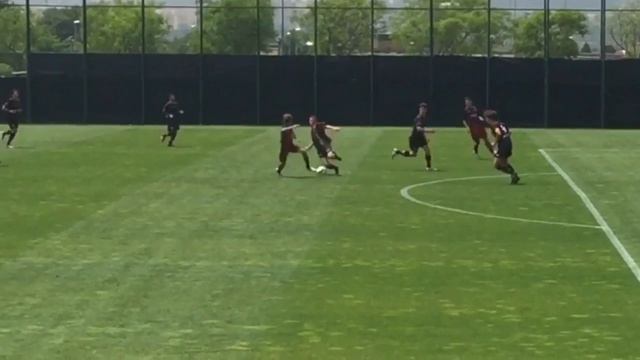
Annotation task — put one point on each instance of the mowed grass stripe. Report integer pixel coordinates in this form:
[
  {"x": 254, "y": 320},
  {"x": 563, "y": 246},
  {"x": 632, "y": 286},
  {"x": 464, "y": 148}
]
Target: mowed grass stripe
[
  {"x": 182, "y": 240},
  {"x": 52, "y": 191}
]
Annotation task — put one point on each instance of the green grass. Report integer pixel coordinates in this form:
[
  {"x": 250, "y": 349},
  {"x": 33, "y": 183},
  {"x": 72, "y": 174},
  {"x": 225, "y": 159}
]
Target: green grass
[{"x": 115, "y": 247}]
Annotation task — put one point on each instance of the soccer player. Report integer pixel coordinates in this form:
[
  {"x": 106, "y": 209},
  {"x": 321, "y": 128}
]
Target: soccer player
[
  {"x": 418, "y": 139},
  {"x": 476, "y": 125},
  {"x": 287, "y": 145},
  {"x": 503, "y": 146},
  {"x": 321, "y": 132},
  {"x": 323, "y": 147},
  {"x": 13, "y": 109},
  {"x": 171, "y": 110}
]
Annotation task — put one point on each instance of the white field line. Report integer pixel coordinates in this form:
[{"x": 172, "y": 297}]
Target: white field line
[
  {"x": 631, "y": 263},
  {"x": 405, "y": 193}
]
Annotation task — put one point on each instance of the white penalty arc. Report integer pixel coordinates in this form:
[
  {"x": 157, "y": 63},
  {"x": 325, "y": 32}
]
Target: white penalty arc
[{"x": 405, "y": 193}]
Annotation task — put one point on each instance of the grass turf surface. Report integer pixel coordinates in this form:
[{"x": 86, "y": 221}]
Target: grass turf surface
[{"x": 115, "y": 247}]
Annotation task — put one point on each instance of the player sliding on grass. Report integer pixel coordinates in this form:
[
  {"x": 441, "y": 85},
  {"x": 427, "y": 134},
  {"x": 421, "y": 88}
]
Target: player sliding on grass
[
  {"x": 322, "y": 143},
  {"x": 503, "y": 147},
  {"x": 171, "y": 110},
  {"x": 476, "y": 125},
  {"x": 418, "y": 139},
  {"x": 13, "y": 109},
  {"x": 287, "y": 145}
]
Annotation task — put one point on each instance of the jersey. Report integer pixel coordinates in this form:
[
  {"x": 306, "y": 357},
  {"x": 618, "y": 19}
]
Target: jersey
[
  {"x": 472, "y": 118},
  {"x": 171, "y": 110},
  {"x": 10, "y": 106},
  {"x": 505, "y": 146},
  {"x": 420, "y": 122},
  {"x": 286, "y": 137},
  {"x": 503, "y": 131}
]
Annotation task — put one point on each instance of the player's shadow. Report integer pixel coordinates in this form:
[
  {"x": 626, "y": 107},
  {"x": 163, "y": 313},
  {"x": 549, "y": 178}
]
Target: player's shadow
[{"x": 21, "y": 147}]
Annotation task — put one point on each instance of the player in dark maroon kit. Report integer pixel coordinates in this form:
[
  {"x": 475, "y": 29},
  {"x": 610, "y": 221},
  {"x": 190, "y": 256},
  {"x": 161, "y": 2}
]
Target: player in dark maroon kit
[
  {"x": 476, "y": 125},
  {"x": 322, "y": 143},
  {"x": 287, "y": 145},
  {"x": 418, "y": 139},
  {"x": 504, "y": 145},
  {"x": 171, "y": 112},
  {"x": 13, "y": 109}
]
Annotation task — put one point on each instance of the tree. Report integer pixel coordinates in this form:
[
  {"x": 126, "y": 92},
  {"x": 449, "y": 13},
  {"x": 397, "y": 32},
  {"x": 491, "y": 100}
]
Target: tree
[
  {"x": 12, "y": 36},
  {"x": 118, "y": 29},
  {"x": 624, "y": 28},
  {"x": 231, "y": 27},
  {"x": 12, "y": 29},
  {"x": 460, "y": 27},
  {"x": 344, "y": 26},
  {"x": 564, "y": 26}
]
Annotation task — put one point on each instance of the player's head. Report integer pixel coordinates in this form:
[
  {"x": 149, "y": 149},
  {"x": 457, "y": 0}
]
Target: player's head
[
  {"x": 15, "y": 93},
  {"x": 287, "y": 119},
  {"x": 491, "y": 116},
  {"x": 313, "y": 119},
  {"x": 468, "y": 101},
  {"x": 172, "y": 97},
  {"x": 422, "y": 108}
]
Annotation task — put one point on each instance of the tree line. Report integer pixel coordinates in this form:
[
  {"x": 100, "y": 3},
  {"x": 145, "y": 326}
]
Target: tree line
[{"x": 343, "y": 28}]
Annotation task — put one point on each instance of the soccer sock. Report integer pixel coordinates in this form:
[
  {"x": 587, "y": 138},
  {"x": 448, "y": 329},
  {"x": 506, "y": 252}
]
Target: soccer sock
[
  {"x": 281, "y": 166},
  {"x": 428, "y": 158},
  {"x": 405, "y": 153},
  {"x": 12, "y": 135},
  {"x": 489, "y": 147},
  {"x": 336, "y": 156},
  {"x": 333, "y": 167},
  {"x": 4, "y": 134},
  {"x": 475, "y": 148},
  {"x": 305, "y": 157},
  {"x": 510, "y": 169},
  {"x": 173, "y": 137}
]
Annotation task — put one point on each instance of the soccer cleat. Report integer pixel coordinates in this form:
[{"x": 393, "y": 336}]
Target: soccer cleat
[
  {"x": 394, "y": 153},
  {"x": 431, "y": 169},
  {"x": 10, "y": 147},
  {"x": 278, "y": 171},
  {"x": 515, "y": 179}
]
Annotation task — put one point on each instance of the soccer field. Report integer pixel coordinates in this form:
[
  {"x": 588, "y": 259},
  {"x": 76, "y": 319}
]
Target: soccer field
[{"x": 113, "y": 246}]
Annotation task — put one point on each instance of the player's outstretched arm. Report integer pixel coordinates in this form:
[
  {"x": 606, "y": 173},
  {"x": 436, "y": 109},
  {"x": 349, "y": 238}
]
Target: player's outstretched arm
[
  {"x": 334, "y": 128},
  {"x": 287, "y": 128}
]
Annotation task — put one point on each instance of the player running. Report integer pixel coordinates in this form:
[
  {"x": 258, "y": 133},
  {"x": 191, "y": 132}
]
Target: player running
[
  {"x": 171, "y": 110},
  {"x": 322, "y": 143},
  {"x": 13, "y": 108},
  {"x": 418, "y": 139},
  {"x": 503, "y": 147},
  {"x": 287, "y": 145},
  {"x": 476, "y": 125}
]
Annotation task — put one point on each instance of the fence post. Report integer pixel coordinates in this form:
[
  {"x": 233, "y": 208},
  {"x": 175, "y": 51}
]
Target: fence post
[
  {"x": 371, "y": 67},
  {"x": 603, "y": 63},
  {"x": 489, "y": 54},
  {"x": 546, "y": 62},
  {"x": 143, "y": 70},
  {"x": 28, "y": 96},
  {"x": 85, "y": 66}
]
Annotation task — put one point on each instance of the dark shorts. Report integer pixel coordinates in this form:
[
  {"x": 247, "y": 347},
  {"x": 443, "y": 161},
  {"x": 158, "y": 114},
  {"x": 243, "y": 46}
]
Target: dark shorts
[
  {"x": 12, "y": 120},
  {"x": 478, "y": 132},
  {"x": 285, "y": 150},
  {"x": 505, "y": 149},
  {"x": 173, "y": 127},
  {"x": 417, "y": 141}
]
